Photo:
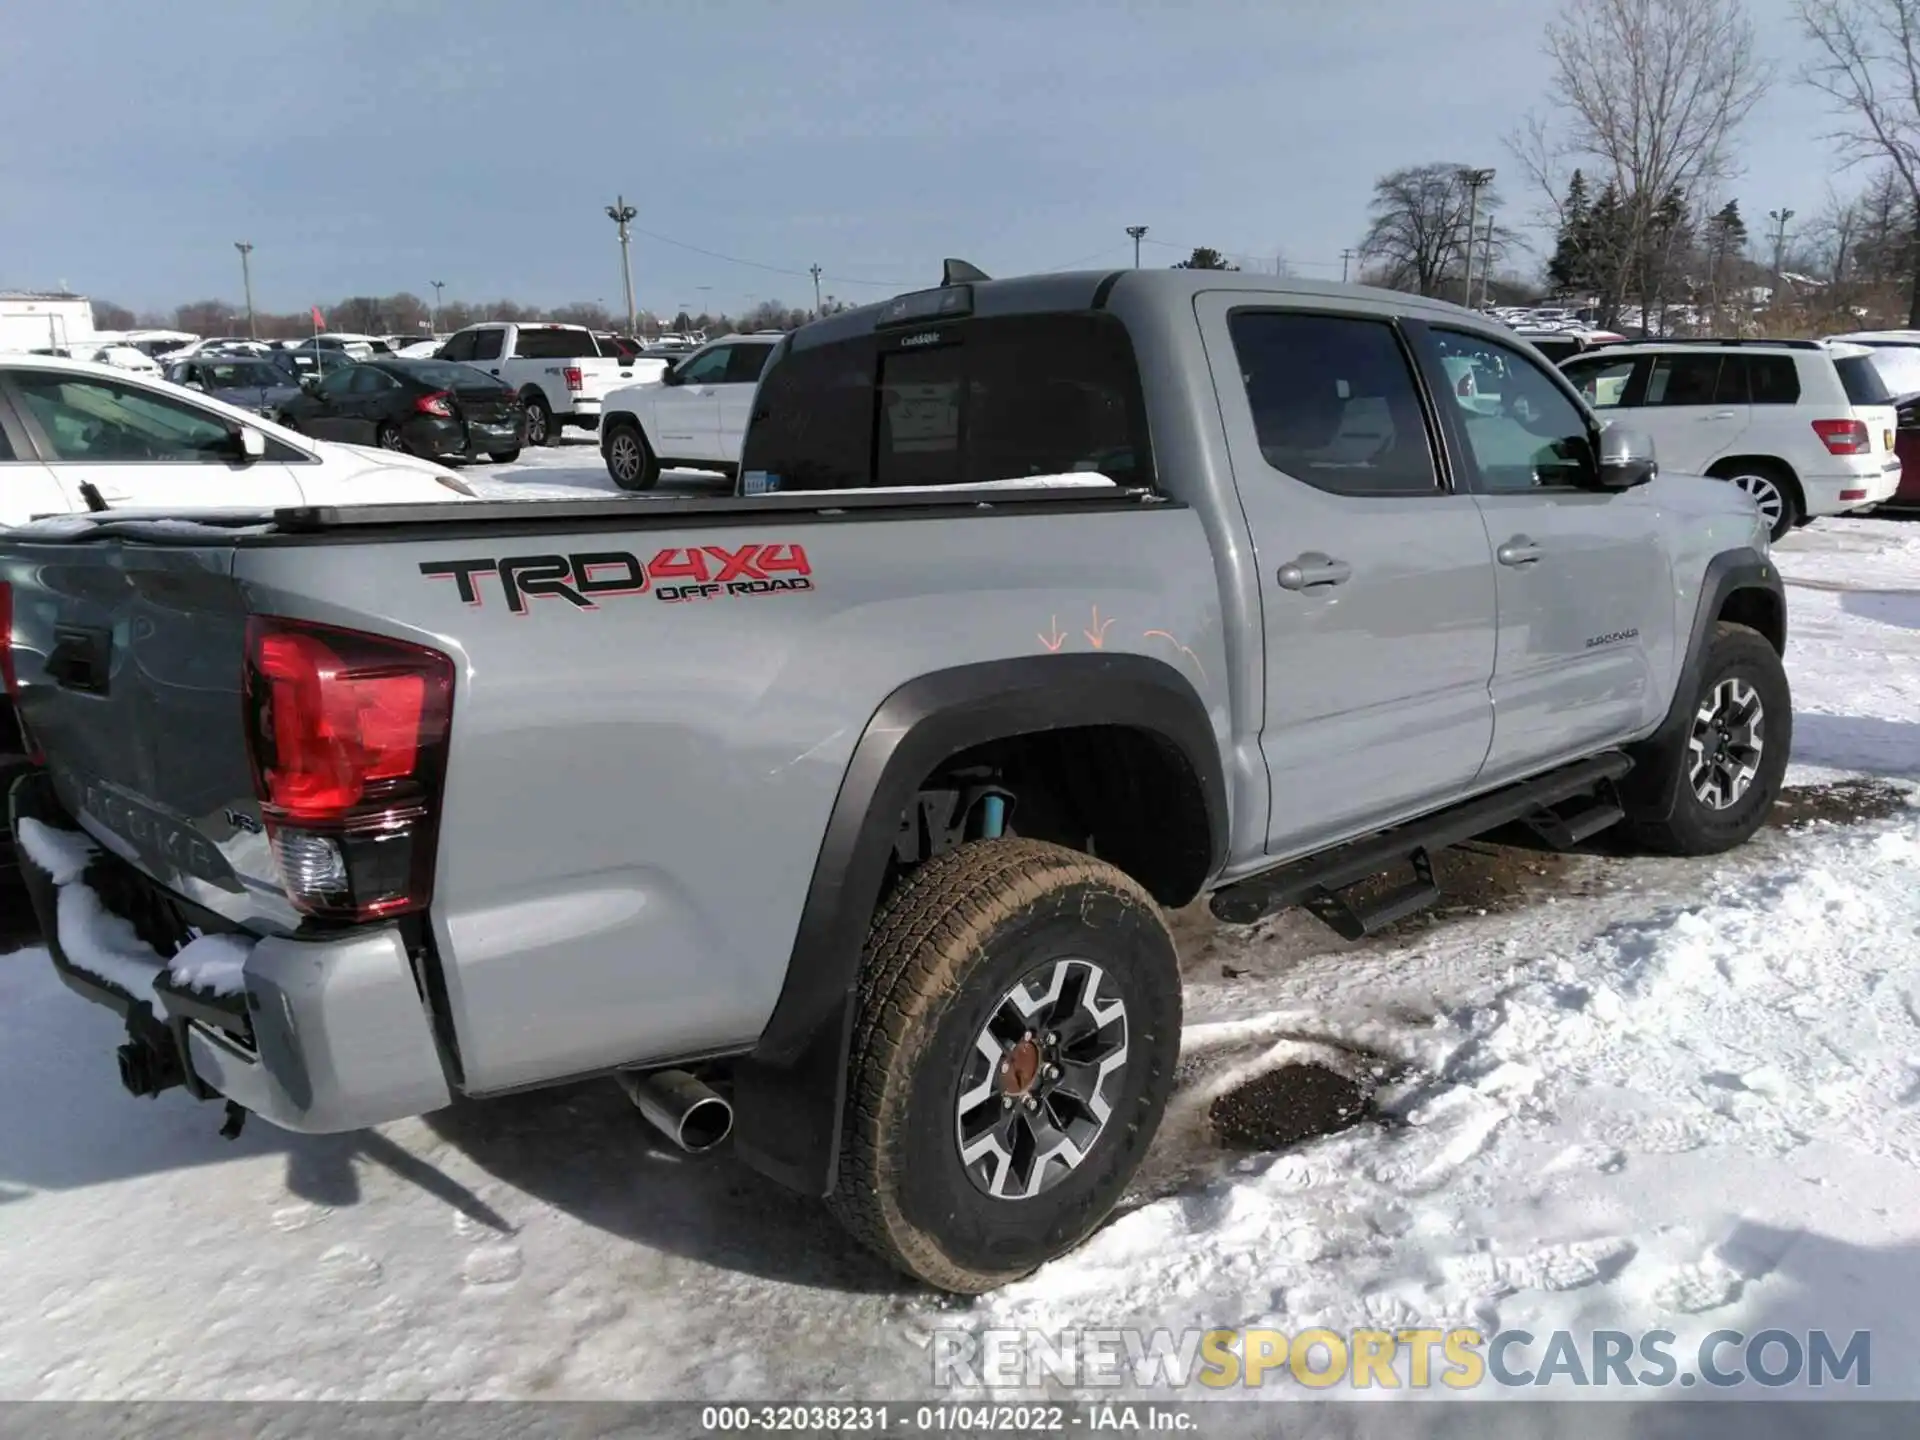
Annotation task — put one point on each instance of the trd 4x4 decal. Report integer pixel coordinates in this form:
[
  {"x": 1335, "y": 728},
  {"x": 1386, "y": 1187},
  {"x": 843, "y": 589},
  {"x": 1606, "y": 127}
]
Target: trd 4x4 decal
[{"x": 675, "y": 575}]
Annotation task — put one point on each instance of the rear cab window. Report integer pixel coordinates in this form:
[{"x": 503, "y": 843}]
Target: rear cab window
[
  {"x": 559, "y": 344},
  {"x": 963, "y": 402}
]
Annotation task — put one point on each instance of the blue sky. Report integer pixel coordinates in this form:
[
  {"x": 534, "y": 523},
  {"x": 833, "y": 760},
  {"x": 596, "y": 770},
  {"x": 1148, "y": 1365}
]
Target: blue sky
[{"x": 370, "y": 146}]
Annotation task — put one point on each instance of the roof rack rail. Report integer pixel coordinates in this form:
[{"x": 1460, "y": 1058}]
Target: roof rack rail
[{"x": 1710, "y": 340}]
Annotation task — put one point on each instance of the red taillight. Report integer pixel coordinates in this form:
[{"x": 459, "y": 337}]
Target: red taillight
[
  {"x": 348, "y": 737},
  {"x": 572, "y": 374},
  {"x": 1844, "y": 437},
  {"x": 11, "y": 674},
  {"x": 435, "y": 404}
]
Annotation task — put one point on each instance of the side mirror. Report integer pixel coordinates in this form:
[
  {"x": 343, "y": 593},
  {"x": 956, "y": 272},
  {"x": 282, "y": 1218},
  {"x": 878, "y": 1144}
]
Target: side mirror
[
  {"x": 1627, "y": 459},
  {"x": 253, "y": 445},
  {"x": 670, "y": 375},
  {"x": 196, "y": 385}
]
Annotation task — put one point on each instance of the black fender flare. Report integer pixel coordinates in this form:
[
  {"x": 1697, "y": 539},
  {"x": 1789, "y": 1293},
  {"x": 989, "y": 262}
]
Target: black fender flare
[
  {"x": 1649, "y": 792},
  {"x": 790, "y": 1091}
]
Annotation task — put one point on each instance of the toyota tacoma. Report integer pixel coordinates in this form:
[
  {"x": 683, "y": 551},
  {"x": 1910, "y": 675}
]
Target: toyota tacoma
[{"x": 842, "y": 817}]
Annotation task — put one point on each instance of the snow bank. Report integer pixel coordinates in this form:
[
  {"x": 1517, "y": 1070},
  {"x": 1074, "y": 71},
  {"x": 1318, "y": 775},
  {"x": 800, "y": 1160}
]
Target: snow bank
[
  {"x": 1562, "y": 1154},
  {"x": 103, "y": 944},
  {"x": 63, "y": 854},
  {"x": 215, "y": 963}
]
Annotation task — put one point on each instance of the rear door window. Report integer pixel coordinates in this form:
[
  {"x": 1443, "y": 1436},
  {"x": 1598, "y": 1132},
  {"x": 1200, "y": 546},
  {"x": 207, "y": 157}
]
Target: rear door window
[
  {"x": 990, "y": 399},
  {"x": 1335, "y": 403},
  {"x": 1773, "y": 380},
  {"x": 745, "y": 362},
  {"x": 1683, "y": 380}
]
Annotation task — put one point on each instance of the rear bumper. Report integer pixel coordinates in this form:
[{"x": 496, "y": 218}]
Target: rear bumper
[
  {"x": 435, "y": 438},
  {"x": 1860, "y": 485},
  {"x": 325, "y": 1035}
]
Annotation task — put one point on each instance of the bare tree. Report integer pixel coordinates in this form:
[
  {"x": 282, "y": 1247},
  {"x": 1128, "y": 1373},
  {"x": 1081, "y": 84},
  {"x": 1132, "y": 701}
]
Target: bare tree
[
  {"x": 1653, "y": 93},
  {"x": 1867, "y": 61},
  {"x": 1417, "y": 239}
]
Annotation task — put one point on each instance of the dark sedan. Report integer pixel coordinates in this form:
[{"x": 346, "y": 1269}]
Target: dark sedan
[
  {"x": 299, "y": 364},
  {"x": 251, "y": 384},
  {"x": 432, "y": 408}
]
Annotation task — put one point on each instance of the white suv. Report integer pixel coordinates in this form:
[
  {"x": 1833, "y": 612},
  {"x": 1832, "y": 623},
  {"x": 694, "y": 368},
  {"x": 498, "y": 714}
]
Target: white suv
[
  {"x": 1805, "y": 427},
  {"x": 693, "y": 417}
]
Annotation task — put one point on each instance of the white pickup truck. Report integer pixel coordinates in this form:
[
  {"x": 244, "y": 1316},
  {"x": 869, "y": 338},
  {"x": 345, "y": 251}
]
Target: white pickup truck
[{"x": 558, "y": 370}]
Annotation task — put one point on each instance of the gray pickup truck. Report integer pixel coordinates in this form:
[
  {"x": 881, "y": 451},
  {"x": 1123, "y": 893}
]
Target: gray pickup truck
[{"x": 842, "y": 817}]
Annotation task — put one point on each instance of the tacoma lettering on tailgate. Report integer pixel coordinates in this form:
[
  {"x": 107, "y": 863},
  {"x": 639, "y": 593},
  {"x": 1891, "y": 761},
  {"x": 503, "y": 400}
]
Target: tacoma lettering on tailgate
[{"x": 674, "y": 575}]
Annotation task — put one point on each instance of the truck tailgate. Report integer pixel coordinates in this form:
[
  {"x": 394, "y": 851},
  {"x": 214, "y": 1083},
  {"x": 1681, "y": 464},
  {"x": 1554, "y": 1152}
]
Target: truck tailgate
[{"x": 128, "y": 662}]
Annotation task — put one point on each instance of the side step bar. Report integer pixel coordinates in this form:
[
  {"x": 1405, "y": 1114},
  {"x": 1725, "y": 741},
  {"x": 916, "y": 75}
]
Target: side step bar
[{"x": 1317, "y": 881}]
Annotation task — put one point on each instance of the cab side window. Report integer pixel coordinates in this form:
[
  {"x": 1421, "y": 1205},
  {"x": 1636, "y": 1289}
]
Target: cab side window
[
  {"x": 1523, "y": 431},
  {"x": 707, "y": 368},
  {"x": 1334, "y": 402},
  {"x": 488, "y": 344}
]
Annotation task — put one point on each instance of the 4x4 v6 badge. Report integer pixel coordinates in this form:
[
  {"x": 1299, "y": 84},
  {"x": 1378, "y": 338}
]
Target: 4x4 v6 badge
[{"x": 695, "y": 572}]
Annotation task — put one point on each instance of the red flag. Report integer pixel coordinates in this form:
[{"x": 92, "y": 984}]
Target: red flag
[{"x": 319, "y": 320}]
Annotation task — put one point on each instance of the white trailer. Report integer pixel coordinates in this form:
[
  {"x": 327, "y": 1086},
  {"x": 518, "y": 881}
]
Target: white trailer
[{"x": 33, "y": 321}]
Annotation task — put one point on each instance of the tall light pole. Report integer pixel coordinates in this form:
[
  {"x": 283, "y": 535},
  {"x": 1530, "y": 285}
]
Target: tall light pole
[
  {"x": 1136, "y": 231},
  {"x": 438, "y": 286},
  {"x": 622, "y": 214},
  {"x": 1780, "y": 219},
  {"x": 814, "y": 270},
  {"x": 1475, "y": 181},
  {"x": 246, "y": 279},
  {"x": 1346, "y": 258},
  {"x": 1486, "y": 261}
]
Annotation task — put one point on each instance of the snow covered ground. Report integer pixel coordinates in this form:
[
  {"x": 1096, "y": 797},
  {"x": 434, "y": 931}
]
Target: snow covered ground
[
  {"x": 572, "y": 469},
  {"x": 1645, "y": 1094}
]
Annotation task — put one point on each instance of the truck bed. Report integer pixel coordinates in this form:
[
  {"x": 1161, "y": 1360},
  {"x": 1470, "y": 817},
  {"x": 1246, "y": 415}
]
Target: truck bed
[{"x": 653, "y": 707}]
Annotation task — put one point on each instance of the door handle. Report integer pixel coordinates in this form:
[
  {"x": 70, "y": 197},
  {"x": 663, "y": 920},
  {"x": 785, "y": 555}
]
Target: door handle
[
  {"x": 1720, "y": 415},
  {"x": 1518, "y": 551},
  {"x": 1313, "y": 570}
]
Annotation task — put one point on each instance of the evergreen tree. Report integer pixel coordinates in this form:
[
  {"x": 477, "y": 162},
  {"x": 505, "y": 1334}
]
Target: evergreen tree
[
  {"x": 1568, "y": 269},
  {"x": 1204, "y": 257}
]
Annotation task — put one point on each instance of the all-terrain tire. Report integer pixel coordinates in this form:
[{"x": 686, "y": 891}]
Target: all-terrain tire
[
  {"x": 943, "y": 954},
  {"x": 1692, "y": 826}
]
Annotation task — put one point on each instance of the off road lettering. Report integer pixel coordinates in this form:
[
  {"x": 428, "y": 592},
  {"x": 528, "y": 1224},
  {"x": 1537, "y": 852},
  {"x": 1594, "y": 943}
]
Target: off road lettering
[{"x": 674, "y": 575}]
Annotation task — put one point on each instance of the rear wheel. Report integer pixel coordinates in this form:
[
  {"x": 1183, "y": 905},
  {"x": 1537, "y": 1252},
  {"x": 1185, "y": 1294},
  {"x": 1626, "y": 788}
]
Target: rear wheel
[
  {"x": 387, "y": 437},
  {"x": 504, "y": 457},
  {"x": 540, "y": 427},
  {"x": 1013, "y": 1051},
  {"x": 1772, "y": 489},
  {"x": 1732, "y": 753},
  {"x": 630, "y": 460}
]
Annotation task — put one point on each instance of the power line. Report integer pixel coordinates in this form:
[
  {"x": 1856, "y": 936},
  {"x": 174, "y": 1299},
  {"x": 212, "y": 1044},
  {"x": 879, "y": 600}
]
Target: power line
[
  {"x": 761, "y": 265},
  {"x": 1241, "y": 258}
]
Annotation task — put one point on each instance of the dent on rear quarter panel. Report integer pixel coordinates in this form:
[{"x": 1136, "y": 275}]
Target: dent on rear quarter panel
[{"x": 636, "y": 794}]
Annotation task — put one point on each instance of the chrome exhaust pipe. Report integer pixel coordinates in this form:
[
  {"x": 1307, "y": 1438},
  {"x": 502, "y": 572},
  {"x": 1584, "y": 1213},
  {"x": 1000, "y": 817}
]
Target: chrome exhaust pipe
[{"x": 679, "y": 1107}]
